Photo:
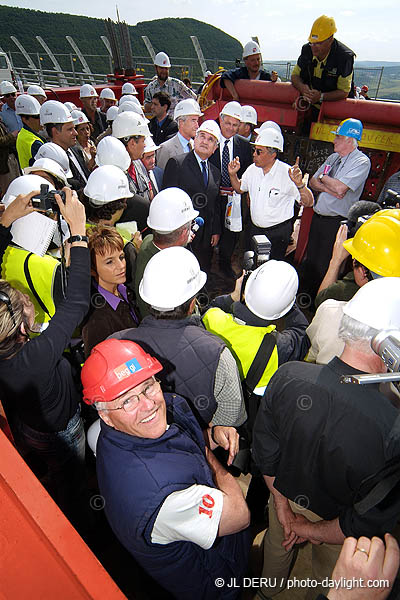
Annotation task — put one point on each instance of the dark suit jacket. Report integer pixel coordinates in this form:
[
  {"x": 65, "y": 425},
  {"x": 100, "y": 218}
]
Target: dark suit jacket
[
  {"x": 242, "y": 149},
  {"x": 168, "y": 129},
  {"x": 158, "y": 174},
  {"x": 184, "y": 172},
  {"x": 77, "y": 182}
]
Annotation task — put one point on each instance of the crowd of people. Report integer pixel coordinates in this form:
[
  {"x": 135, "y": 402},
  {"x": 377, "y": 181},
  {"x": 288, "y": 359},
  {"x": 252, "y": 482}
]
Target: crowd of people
[{"x": 112, "y": 232}]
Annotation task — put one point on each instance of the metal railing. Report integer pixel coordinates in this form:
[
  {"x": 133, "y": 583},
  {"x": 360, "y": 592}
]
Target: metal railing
[{"x": 46, "y": 75}]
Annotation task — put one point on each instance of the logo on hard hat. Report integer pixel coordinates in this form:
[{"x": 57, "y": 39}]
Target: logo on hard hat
[
  {"x": 352, "y": 130},
  {"x": 126, "y": 369},
  {"x": 164, "y": 61},
  {"x": 254, "y": 49}
]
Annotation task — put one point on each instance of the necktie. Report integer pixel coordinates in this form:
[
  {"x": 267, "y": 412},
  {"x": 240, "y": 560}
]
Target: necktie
[
  {"x": 204, "y": 171},
  {"x": 189, "y": 147},
  {"x": 225, "y": 179}
]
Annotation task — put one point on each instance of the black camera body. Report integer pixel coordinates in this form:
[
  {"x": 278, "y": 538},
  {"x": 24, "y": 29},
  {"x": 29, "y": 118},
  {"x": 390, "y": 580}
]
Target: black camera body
[
  {"x": 46, "y": 201},
  {"x": 391, "y": 199},
  {"x": 260, "y": 253}
]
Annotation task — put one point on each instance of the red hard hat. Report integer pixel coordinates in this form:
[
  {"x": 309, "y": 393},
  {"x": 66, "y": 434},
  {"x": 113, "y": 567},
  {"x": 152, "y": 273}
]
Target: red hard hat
[
  {"x": 113, "y": 368},
  {"x": 364, "y": 88}
]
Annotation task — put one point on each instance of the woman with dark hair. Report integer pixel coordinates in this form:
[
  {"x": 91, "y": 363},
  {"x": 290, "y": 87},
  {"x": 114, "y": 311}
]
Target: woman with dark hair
[
  {"x": 112, "y": 307},
  {"x": 37, "y": 388}
]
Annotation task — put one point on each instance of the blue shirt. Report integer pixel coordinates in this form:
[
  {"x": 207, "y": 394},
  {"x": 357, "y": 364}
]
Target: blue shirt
[
  {"x": 184, "y": 142},
  {"x": 10, "y": 119}
]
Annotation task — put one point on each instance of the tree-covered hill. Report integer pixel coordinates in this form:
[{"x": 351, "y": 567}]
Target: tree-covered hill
[{"x": 169, "y": 35}]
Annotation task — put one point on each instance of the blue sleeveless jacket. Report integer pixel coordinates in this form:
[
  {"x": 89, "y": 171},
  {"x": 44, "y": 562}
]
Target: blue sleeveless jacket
[{"x": 135, "y": 476}]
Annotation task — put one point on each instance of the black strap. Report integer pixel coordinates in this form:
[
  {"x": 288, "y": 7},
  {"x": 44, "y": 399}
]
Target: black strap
[
  {"x": 259, "y": 363},
  {"x": 32, "y": 287},
  {"x": 378, "y": 493}
]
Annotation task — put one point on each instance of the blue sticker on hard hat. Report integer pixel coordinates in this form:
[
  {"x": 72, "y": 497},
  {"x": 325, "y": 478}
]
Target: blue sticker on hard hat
[{"x": 126, "y": 369}]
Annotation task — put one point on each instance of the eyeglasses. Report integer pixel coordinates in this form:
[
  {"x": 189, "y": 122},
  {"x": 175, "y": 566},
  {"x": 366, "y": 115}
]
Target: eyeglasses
[
  {"x": 131, "y": 403},
  {"x": 6, "y": 299},
  {"x": 258, "y": 151}
]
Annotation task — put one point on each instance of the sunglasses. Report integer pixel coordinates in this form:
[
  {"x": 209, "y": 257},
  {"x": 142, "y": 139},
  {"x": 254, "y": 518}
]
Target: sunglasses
[
  {"x": 258, "y": 151},
  {"x": 6, "y": 299}
]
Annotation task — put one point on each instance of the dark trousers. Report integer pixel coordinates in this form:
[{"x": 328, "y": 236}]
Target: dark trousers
[
  {"x": 278, "y": 235},
  {"x": 321, "y": 239}
]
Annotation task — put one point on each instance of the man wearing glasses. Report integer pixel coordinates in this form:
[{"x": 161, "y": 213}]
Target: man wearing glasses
[
  {"x": 8, "y": 95},
  {"x": 273, "y": 188},
  {"x": 167, "y": 498}
]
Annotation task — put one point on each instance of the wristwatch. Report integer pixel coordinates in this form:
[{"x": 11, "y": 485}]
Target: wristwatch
[{"x": 78, "y": 238}]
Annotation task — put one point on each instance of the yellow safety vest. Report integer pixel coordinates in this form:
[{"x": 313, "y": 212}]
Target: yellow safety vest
[
  {"x": 20, "y": 265},
  {"x": 242, "y": 340},
  {"x": 24, "y": 143}
]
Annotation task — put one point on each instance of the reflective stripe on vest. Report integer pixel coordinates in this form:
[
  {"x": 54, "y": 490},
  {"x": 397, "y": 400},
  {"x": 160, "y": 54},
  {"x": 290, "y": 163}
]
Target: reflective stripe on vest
[
  {"x": 42, "y": 270},
  {"x": 24, "y": 143},
  {"x": 242, "y": 340}
]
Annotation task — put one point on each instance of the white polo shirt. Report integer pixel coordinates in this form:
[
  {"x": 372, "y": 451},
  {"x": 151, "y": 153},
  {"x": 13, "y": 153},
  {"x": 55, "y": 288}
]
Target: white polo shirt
[{"x": 272, "y": 196}]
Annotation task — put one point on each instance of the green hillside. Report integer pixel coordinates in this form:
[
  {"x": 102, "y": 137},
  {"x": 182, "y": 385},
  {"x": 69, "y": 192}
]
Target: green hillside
[{"x": 169, "y": 35}]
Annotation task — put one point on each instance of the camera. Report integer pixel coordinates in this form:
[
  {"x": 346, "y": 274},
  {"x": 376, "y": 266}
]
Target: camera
[
  {"x": 386, "y": 344},
  {"x": 391, "y": 199},
  {"x": 46, "y": 201},
  {"x": 260, "y": 253}
]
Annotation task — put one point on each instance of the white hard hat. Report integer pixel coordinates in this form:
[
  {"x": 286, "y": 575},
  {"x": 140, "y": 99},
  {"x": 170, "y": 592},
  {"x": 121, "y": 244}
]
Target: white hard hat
[
  {"x": 270, "y": 138},
  {"x": 171, "y": 277},
  {"x": 129, "y": 98},
  {"x": 271, "y": 289},
  {"x": 207, "y": 74},
  {"x": 87, "y": 91},
  {"x": 111, "y": 151},
  {"x": 7, "y": 88},
  {"x": 249, "y": 115},
  {"x": 128, "y": 124},
  {"x": 55, "y": 152},
  {"x": 111, "y": 113},
  {"x": 162, "y": 60},
  {"x": 210, "y": 127},
  {"x": 232, "y": 109},
  {"x": 27, "y": 105},
  {"x": 250, "y": 49},
  {"x": 49, "y": 166},
  {"x": 376, "y": 304},
  {"x": 268, "y": 125},
  {"x": 24, "y": 185},
  {"x": 170, "y": 209},
  {"x": 107, "y": 184},
  {"x": 187, "y": 107},
  {"x": 70, "y": 106},
  {"x": 128, "y": 88},
  {"x": 36, "y": 90},
  {"x": 79, "y": 117},
  {"x": 132, "y": 107},
  {"x": 149, "y": 145},
  {"x": 107, "y": 93},
  {"x": 53, "y": 111}
]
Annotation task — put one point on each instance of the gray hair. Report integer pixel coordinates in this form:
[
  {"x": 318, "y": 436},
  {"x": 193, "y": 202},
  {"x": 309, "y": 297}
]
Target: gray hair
[
  {"x": 181, "y": 119},
  {"x": 355, "y": 333}
]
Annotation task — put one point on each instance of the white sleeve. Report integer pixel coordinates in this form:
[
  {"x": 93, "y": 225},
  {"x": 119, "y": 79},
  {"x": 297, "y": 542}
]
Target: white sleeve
[
  {"x": 244, "y": 184},
  {"x": 190, "y": 515}
]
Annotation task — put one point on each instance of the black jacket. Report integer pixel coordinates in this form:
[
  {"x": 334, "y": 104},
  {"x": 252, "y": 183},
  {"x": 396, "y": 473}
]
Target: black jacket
[
  {"x": 162, "y": 134},
  {"x": 340, "y": 62},
  {"x": 242, "y": 73}
]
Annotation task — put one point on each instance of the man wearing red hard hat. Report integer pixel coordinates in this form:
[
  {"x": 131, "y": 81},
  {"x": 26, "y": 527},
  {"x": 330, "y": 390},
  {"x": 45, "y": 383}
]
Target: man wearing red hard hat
[{"x": 167, "y": 498}]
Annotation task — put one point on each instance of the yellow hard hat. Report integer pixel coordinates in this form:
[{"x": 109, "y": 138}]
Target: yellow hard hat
[
  {"x": 376, "y": 246},
  {"x": 388, "y": 212},
  {"x": 322, "y": 29}
]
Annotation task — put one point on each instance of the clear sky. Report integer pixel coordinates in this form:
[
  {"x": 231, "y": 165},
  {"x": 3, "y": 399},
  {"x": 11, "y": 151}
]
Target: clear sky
[{"x": 369, "y": 27}]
